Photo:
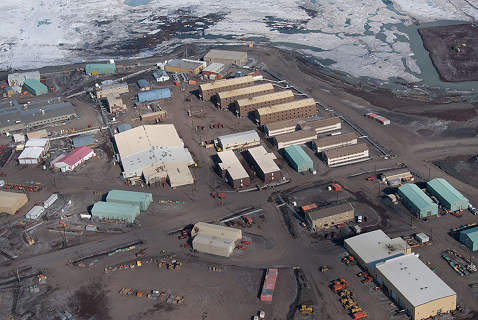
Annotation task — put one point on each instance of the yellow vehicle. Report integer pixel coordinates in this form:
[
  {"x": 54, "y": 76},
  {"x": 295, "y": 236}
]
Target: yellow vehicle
[
  {"x": 304, "y": 309},
  {"x": 355, "y": 309},
  {"x": 345, "y": 293}
]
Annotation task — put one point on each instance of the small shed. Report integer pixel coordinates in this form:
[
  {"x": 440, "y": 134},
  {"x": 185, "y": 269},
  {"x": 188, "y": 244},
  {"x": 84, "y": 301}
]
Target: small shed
[
  {"x": 81, "y": 141},
  {"x": 297, "y": 158},
  {"x": 161, "y": 76},
  {"x": 144, "y": 85}
]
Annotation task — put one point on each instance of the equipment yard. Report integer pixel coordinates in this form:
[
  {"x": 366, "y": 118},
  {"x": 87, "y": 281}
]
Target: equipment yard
[{"x": 200, "y": 240}]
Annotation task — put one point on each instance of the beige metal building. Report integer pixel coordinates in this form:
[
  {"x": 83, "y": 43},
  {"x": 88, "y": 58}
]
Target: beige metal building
[
  {"x": 11, "y": 202},
  {"x": 226, "y": 57},
  {"x": 39, "y": 134},
  {"x": 215, "y": 230},
  {"x": 332, "y": 142},
  {"x": 225, "y": 98},
  {"x": 399, "y": 174},
  {"x": 263, "y": 163},
  {"x": 327, "y": 217},
  {"x": 112, "y": 90},
  {"x": 154, "y": 116},
  {"x": 208, "y": 90},
  {"x": 323, "y": 125},
  {"x": 346, "y": 155},
  {"x": 213, "y": 245},
  {"x": 247, "y": 105},
  {"x": 280, "y": 127},
  {"x": 186, "y": 66},
  {"x": 232, "y": 170},
  {"x": 291, "y": 110},
  {"x": 415, "y": 287},
  {"x": 115, "y": 104},
  {"x": 293, "y": 138}
]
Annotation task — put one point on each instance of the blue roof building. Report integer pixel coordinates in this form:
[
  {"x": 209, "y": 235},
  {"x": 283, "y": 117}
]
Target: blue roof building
[
  {"x": 123, "y": 127},
  {"x": 415, "y": 199},
  {"x": 449, "y": 197},
  {"x": 144, "y": 84},
  {"x": 297, "y": 158},
  {"x": 470, "y": 238},
  {"x": 154, "y": 95},
  {"x": 83, "y": 141},
  {"x": 115, "y": 211},
  {"x": 140, "y": 199}
]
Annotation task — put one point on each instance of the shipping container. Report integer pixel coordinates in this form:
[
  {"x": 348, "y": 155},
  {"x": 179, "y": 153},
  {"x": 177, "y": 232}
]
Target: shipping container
[
  {"x": 308, "y": 207},
  {"x": 269, "y": 284},
  {"x": 35, "y": 213},
  {"x": 51, "y": 199}
]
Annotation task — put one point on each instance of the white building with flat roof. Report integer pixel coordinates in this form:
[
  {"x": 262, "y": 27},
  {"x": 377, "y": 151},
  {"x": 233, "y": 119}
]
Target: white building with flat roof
[
  {"x": 239, "y": 140},
  {"x": 232, "y": 169}
]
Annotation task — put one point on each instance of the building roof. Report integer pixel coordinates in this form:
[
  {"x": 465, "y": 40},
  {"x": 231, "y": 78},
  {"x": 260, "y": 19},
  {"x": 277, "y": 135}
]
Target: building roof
[
  {"x": 115, "y": 210},
  {"x": 265, "y": 98},
  {"x": 231, "y": 163},
  {"x": 124, "y": 127},
  {"x": 83, "y": 141},
  {"x": 215, "y": 230},
  {"x": 144, "y": 137},
  {"x": 12, "y": 201},
  {"x": 112, "y": 86},
  {"x": 376, "y": 245},
  {"x": 286, "y": 106},
  {"x": 100, "y": 68},
  {"x": 183, "y": 64},
  {"x": 31, "y": 153},
  {"x": 297, "y": 154},
  {"x": 328, "y": 211},
  {"x": 36, "y": 85},
  {"x": 143, "y": 83},
  {"x": 42, "y": 142},
  {"x": 225, "y": 54},
  {"x": 416, "y": 195},
  {"x": 334, "y": 140},
  {"x": 178, "y": 174},
  {"x": 239, "y": 138},
  {"x": 160, "y": 74},
  {"x": 11, "y": 112},
  {"x": 129, "y": 196},
  {"x": 153, "y": 95},
  {"x": 218, "y": 84},
  {"x": 321, "y": 123},
  {"x": 214, "y": 67},
  {"x": 208, "y": 240},
  {"x": 472, "y": 234},
  {"x": 414, "y": 280},
  {"x": 76, "y": 155},
  {"x": 37, "y": 134},
  {"x": 264, "y": 159},
  {"x": 245, "y": 91},
  {"x": 15, "y": 80},
  {"x": 284, "y": 124},
  {"x": 392, "y": 173},
  {"x": 446, "y": 190},
  {"x": 345, "y": 151},
  {"x": 296, "y": 135}
]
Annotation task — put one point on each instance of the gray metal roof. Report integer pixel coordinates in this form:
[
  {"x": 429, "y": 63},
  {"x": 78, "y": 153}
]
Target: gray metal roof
[
  {"x": 345, "y": 151},
  {"x": 296, "y": 135},
  {"x": 330, "y": 211},
  {"x": 239, "y": 138},
  {"x": 333, "y": 140}
]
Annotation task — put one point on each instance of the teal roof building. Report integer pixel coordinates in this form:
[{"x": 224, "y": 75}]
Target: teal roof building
[
  {"x": 115, "y": 211},
  {"x": 140, "y": 199},
  {"x": 297, "y": 158},
  {"x": 415, "y": 199},
  {"x": 449, "y": 197},
  {"x": 100, "y": 68},
  {"x": 35, "y": 87},
  {"x": 470, "y": 238}
]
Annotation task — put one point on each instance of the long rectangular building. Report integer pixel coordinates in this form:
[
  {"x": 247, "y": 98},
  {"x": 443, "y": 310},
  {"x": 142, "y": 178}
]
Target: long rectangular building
[
  {"x": 415, "y": 199},
  {"x": 238, "y": 58},
  {"x": 333, "y": 142},
  {"x": 239, "y": 140},
  {"x": 208, "y": 90},
  {"x": 448, "y": 196},
  {"x": 346, "y": 155},
  {"x": 322, "y": 125},
  {"x": 294, "y": 138},
  {"x": 232, "y": 169},
  {"x": 247, "y": 105},
  {"x": 298, "y": 159},
  {"x": 291, "y": 110},
  {"x": 328, "y": 217},
  {"x": 225, "y": 98},
  {"x": 263, "y": 163},
  {"x": 280, "y": 127}
]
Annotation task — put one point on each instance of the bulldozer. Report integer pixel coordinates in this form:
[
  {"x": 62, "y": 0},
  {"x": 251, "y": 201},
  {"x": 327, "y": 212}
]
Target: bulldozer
[
  {"x": 339, "y": 284},
  {"x": 305, "y": 309},
  {"x": 355, "y": 309},
  {"x": 345, "y": 293}
]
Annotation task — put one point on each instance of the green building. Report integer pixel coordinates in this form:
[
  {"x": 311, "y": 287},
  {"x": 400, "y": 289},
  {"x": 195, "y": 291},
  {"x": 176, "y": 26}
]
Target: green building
[
  {"x": 35, "y": 87},
  {"x": 297, "y": 158},
  {"x": 470, "y": 238},
  {"x": 100, "y": 68},
  {"x": 115, "y": 211},
  {"x": 415, "y": 199},
  {"x": 140, "y": 199},
  {"x": 449, "y": 197}
]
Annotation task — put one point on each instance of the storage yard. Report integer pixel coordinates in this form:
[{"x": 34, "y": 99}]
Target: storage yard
[{"x": 167, "y": 206}]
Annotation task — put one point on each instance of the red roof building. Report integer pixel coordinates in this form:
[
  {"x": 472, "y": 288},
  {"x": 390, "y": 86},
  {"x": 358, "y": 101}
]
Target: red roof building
[{"x": 73, "y": 159}]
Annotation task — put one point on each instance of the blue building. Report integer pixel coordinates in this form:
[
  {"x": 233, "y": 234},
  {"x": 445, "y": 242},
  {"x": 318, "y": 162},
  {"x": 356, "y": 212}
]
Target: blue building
[
  {"x": 154, "y": 95},
  {"x": 297, "y": 158}
]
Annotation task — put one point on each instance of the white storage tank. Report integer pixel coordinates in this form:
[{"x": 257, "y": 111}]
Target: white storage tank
[
  {"x": 35, "y": 213},
  {"x": 51, "y": 200}
]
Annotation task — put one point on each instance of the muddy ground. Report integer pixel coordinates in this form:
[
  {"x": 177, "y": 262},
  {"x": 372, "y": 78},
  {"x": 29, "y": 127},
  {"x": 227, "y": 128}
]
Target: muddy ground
[{"x": 463, "y": 167}]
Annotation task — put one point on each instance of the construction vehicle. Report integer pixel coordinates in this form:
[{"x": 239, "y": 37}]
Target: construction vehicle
[
  {"x": 345, "y": 293},
  {"x": 371, "y": 179},
  {"x": 335, "y": 187},
  {"x": 247, "y": 220},
  {"x": 324, "y": 268},
  {"x": 348, "y": 260},
  {"x": 305, "y": 309},
  {"x": 339, "y": 284},
  {"x": 355, "y": 309},
  {"x": 360, "y": 315}
]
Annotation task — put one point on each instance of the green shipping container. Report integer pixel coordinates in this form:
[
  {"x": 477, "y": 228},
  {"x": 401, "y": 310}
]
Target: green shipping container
[
  {"x": 141, "y": 199},
  {"x": 297, "y": 158}
]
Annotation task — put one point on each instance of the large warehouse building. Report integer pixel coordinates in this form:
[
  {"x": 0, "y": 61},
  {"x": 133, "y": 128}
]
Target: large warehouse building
[
  {"x": 248, "y": 105},
  {"x": 140, "y": 199},
  {"x": 374, "y": 247},
  {"x": 237, "y": 58},
  {"x": 346, "y": 155},
  {"x": 418, "y": 202},
  {"x": 415, "y": 287},
  {"x": 11, "y": 202},
  {"x": 16, "y": 80},
  {"x": 208, "y": 90},
  {"x": 322, "y": 125},
  {"x": 469, "y": 238},
  {"x": 73, "y": 159},
  {"x": 215, "y": 71},
  {"x": 15, "y": 116},
  {"x": 449, "y": 197},
  {"x": 100, "y": 68},
  {"x": 290, "y": 110},
  {"x": 280, "y": 127},
  {"x": 111, "y": 90},
  {"x": 297, "y": 158},
  {"x": 264, "y": 164},
  {"x": 215, "y": 239},
  {"x": 239, "y": 140},
  {"x": 154, "y": 95},
  {"x": 333, "y": 142},
  {"x": 330, "y": 216},
  {"x": 35, "y": 87},
  {"x": 232, "y": 170},
  {"x": 156, "y": 153},
  {"x": 115, "y": 211},
  {"x": 294, "y": 138},
  {"x": 184, "y": 66},
  {"x": 225, "y": 98}
]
